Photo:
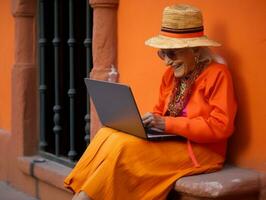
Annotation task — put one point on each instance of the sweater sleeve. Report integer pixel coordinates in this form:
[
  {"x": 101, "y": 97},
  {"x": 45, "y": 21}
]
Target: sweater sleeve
[{"x": 218, "y": 123}]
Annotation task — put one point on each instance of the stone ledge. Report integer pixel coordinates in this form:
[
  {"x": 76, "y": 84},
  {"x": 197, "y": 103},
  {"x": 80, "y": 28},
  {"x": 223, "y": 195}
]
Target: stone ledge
[
  {"x": 44, "y": 170},
  {"x": 7, "y": 192},
  {"x": 230, "y": 181}
]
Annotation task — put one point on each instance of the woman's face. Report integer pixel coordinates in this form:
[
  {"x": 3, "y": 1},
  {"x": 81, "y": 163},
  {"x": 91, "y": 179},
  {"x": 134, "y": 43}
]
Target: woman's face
[{"x": 181, "y": 60}]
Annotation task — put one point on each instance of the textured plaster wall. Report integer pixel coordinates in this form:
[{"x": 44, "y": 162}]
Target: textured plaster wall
[{"x": 6, "y": 61}]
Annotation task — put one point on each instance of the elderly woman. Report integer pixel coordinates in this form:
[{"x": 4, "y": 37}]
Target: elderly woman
[{"x": 196, "y": 101}]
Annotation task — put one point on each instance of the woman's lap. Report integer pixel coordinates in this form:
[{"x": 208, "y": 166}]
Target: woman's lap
[{"x": 115, "y": 158}]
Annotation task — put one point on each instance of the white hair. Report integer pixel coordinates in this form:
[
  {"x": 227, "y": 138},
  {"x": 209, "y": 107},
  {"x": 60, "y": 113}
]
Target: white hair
[{"x": 205, "y": 53}]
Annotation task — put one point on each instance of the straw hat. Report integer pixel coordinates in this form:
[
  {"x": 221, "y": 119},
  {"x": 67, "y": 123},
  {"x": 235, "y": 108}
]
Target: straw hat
[{"x": 182, "y": 26}]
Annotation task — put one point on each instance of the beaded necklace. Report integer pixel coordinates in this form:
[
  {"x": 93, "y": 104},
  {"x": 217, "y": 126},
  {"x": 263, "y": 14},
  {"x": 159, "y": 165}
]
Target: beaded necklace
[{"x": 182, "y": 90}]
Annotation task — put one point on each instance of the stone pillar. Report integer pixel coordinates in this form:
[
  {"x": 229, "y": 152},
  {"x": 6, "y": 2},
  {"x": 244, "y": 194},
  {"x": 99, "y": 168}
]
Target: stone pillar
[
  {"x": 24, "y": 79},
  {"x": 104, "y": 45}
]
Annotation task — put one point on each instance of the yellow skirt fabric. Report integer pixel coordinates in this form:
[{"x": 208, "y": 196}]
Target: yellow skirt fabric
[{"x": 118, "y": 166}]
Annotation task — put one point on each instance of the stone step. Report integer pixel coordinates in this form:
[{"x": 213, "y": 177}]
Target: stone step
[{"x": 229, "y": 183}]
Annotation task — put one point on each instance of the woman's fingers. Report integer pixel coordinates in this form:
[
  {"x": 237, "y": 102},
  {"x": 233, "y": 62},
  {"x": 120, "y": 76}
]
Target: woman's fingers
[
  {"x": 159, "y": 122},
  {"x": 153, "y": 120},
  {"x": 146, "y": 115},
  {"x": 147, "y": 118},
  {"x": 147, "y": 121}
]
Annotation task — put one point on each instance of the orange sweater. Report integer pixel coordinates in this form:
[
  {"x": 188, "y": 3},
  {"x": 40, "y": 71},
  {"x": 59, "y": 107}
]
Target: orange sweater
[{"x": 210, "y": 112}]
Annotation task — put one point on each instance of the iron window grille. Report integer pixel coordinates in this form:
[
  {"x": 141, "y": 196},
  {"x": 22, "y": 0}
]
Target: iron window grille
[{"x": 65, "y": 59}]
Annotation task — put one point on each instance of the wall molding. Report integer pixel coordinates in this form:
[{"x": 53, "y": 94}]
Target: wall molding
[{"x": 24, "y": 78}]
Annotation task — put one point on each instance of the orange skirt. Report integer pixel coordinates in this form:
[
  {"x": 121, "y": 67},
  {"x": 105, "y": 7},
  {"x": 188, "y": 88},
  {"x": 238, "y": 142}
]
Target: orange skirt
[{"x": 120, "y": 166}]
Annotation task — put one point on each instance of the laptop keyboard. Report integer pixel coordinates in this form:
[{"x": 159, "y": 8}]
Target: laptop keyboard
[{"x": 154, "y": 131}]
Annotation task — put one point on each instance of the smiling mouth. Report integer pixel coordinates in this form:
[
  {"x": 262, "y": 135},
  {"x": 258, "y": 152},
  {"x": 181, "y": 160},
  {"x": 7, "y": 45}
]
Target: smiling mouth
[{"x": 177, "y": 66}]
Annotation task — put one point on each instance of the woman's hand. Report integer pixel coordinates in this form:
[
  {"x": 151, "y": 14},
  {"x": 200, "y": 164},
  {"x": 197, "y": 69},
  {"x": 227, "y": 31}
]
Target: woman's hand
[{"x": 153, "y": 121}]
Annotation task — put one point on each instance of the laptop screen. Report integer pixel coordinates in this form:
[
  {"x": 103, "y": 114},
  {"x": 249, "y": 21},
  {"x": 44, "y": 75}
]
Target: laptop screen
[{"x": 116, "y": 106}]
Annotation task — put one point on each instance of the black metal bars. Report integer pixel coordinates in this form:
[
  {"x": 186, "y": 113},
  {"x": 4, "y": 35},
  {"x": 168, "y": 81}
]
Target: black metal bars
[
  {"x": 71, "y": 92},
  {"x": 56, "y": 42},
  {"x": 42, "y": 87},
  {"x": 64, "y": 29}
]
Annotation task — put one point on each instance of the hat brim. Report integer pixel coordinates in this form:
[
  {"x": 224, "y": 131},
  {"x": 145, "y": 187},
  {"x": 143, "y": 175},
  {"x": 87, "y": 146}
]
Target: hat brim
[{"x": 164, "y": 42}]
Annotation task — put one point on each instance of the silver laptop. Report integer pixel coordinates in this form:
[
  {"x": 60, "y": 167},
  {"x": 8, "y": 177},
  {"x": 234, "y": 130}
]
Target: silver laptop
[{"x": 117, "y": 109}]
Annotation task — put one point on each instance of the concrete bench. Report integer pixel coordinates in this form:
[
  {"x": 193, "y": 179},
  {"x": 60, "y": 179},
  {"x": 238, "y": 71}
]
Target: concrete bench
[{"x": 231, "y": 183}]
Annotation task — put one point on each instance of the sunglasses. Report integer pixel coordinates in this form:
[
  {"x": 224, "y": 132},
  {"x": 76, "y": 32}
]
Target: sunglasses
[{"x": 170, "y": 53}]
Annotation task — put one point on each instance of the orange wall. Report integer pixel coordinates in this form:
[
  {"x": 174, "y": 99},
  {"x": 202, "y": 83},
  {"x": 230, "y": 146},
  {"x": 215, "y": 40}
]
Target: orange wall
[
  {"x": 6, "y": 61},
  {"x": 240, "y": 26}
]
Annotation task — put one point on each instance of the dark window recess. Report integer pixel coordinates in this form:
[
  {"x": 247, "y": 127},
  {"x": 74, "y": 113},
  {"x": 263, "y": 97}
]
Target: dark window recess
[{"x": 65, "y": 59}]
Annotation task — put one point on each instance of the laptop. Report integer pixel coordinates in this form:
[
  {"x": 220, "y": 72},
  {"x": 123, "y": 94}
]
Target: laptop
[{"x": 117, "y": 109}]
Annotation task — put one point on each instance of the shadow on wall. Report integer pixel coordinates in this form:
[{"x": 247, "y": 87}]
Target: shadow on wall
[{"x": 240, "y": 139}]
